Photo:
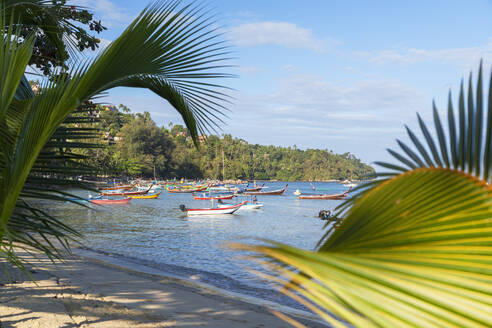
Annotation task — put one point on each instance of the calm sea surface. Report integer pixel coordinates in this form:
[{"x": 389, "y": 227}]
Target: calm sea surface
[{"x": 156, "y": 233}]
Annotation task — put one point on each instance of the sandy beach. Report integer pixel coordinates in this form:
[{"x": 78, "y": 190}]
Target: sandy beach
[{"x": 90, "y": 292}]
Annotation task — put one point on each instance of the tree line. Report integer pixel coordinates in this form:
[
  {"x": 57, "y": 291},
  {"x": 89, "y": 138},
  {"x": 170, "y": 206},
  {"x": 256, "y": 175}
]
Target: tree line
[{"x": 136, "y": 146}]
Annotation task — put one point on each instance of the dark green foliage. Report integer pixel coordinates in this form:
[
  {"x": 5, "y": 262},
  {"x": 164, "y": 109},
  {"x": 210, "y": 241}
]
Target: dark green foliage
[
  {"x": 61, "y": 30},
  {"x": 246, "y": 161},
  {"x": 144, "y": 148}
]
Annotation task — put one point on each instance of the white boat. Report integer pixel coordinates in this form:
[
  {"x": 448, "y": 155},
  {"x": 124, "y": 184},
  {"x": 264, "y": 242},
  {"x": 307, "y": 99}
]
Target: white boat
[
  {"x": 348, "y": 183},
  {"x": 226, "y": 189},
  {"x": 153, "y": 188},
  {"x": 228, "y": 209},
  {"x": 245, "y": 207}
]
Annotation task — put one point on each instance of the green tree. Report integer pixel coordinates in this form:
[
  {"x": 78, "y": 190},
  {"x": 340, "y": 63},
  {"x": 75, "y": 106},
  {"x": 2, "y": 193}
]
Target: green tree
[
  {"x": 413, "y": 249},
  {"x": 60, "y": 30},
  {"x": 142, "y": 142}
]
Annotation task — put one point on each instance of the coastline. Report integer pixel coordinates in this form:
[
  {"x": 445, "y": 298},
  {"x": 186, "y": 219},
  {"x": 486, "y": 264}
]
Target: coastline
[{"x": 93, "y": 290}]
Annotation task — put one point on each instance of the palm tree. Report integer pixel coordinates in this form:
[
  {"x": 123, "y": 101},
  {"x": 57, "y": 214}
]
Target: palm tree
[
  {"x": 413, "y": 249},
  {"x": 169, "y": 49}
]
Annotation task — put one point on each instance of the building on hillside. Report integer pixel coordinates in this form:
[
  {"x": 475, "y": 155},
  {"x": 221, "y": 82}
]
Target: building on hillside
[
  {"x": 111, "y": 108},
  {"x": 202, "y": 138}
]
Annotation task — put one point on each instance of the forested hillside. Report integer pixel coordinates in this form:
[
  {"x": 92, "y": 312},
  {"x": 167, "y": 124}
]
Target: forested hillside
[{"x": 137, "y": 147}]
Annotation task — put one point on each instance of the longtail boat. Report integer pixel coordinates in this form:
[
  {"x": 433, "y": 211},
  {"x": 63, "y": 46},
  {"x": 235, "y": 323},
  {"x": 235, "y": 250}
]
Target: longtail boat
[
  {"x": 118, "y": 187},
  {"x": 212, "y": 211},
  {"x": 185, "y": 191},
  {"x": 266, "y": 193},
  {"x": 245, "y": 206},
  {"x": 76, "y": 199},
  {"x": 204, "y": 197},
  {"x": 253, "y": 189},
  {"x": 324, "y": 196},
  {"x": 153, "y": 196},
  {"x": 110, "y": 201},
  {"x": 129, "y": 193}
]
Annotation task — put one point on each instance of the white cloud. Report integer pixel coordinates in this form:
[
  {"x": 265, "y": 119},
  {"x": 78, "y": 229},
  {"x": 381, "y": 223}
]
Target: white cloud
[
  {"x": 464, "y": 56},
  {"x": 363, "y": 117},
  {"x": 277, "y": 33}
]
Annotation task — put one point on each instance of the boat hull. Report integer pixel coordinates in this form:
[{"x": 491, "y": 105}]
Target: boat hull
[
  {"x": 247, "y": 206},
  {"x": 129, "y": 193},
  {"x": 110, "y": 201},
  {"x": 266, "y": 193},
  {"x": 185, "y": 191},
  {"x": 153, "y": 196},
  {"x": 117, "y": 188},
  {"x": 214, "y": 197},
  {"x": 334, "y": 196},
  {"x": 215, "y": 211}
]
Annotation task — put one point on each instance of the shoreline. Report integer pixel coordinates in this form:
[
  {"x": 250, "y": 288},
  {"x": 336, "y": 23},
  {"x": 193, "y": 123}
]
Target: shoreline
[
  {"x": 186, "y": 275},
  {"x": 95, "y": 290}
]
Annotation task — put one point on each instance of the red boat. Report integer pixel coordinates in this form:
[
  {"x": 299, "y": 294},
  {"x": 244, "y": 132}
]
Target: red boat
[
  {"x": 318, "y": 196},
  {"x": 111, "y": 201},
  {"x": 212, "y": 197},
  {"x": 266, "y": 193},
  {"x": 128, "y": 193},
  {"x": 186, "y": 191}
]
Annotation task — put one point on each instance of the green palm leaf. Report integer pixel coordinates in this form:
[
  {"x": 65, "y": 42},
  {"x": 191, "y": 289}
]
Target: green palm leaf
[
  {"x": 466, "y": 147},
  {"x": 169, "y": 49},
  {"x": 415, "y": 251}
]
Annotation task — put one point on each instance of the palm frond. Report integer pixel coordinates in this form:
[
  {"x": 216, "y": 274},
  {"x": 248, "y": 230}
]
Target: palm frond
[
  {"x": 466, "y": 149},
  {"x": 414, "y": 251}
]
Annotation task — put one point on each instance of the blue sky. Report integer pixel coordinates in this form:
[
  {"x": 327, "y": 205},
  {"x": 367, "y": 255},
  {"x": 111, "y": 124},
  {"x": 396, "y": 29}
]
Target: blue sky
[{"x": 339, "y": 75}]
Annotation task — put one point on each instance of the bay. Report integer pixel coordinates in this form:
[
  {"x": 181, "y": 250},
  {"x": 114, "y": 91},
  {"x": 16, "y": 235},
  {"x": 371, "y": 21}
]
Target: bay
[{"x": 154, "y": 232}]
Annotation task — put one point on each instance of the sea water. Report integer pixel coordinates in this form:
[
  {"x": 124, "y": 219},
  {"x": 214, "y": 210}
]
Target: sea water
[{"x": 154, "y": 232}]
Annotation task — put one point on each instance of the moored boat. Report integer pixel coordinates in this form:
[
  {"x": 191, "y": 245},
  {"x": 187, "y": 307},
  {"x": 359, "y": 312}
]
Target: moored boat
[
  {"x": 205, "y": 197},
  {"x": 128, "y": 187},
  {"x": 245, "y": 206},
  {"x": 128, "y": 193},
  {"x": 222, "y": 189},
  {"x": 75, "y": 199},
  {"x": 255, "y": 188},
  {"x": 324, "y": 196},
  {"x": 266, "y": 193},
  {"x": 111, "y": 201},
  {"x": 186, "y": 191},
  {"x": 212, "y": 211},
  {"x": 153, "y": 196}
]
